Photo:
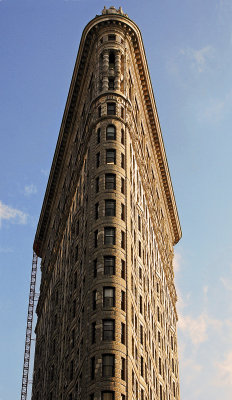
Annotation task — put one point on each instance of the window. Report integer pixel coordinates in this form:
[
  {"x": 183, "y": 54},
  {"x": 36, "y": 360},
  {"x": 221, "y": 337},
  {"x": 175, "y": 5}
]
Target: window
[
  {"x": 141, "y": 366},
  {"x": 108, "y": 329},
  {"x": 71, "y": 371},
  {"x": 92, "y": 367},
  {"x": 95, "y": 238},
  {"x": 122, "y": 137},
  {"x": 107, "y": 395},
  {"x": 122, "y": 185},
  {"x": 93, "y": 332},
  {"x": 140, "y": 304},
  {"x": 111, "y": 37},
  {"x": 97, "y": 160},
  {"x": 108, "y": 366},
  {"x": 161, "y": 393},
  {"x": 122, "y": 160},
  {"x": 123, "y": 269},
  {"x": 123, "y": 369},
  {"x": 74, "y": 308},
  {"x": 110, "y": 156},
  {"x": 111, "y": 60},
  {"x": 122, "y": 112},
  {"x": 139, "y": 222},
  {"x": 122, "y": 333},
  {"x": 98, "y": 135},
  {"x": 110, "y": 181},
  {"x": 142, "y": 394},
  {"x": 123, "y": 211},
  {"x": 110, "y": 132},
  {"x": 95, "y": 268},
  {"x": 110, "y": 208},
  {"x": 140, "y": 249},
  {"x": 109, "y": 265},
  {"x": 99, "y": 111},
  {"x": 94, "y": 299},
  {"x": 111, "y": 84},
  {"x": 108, "y": 297},
  {"x": 111, "y": 109},
  {"x": 141, "y": 334},
  {"x": 96, "y": 210},
  {"x": 123, "y": 397},
  {"x": 91, "y": 397},
  {"x": 109, "y": 235},
  {"x": 160, "y": 366},
  {"x": 122, "y": 239},
  {"x": 97, "y": 185},
  {"x": 123, "y": 302}
]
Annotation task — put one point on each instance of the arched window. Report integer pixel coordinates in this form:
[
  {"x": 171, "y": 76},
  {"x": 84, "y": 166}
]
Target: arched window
[{"x": 110, "y": 132}]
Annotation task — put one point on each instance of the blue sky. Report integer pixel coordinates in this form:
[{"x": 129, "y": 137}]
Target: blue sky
[{"x": 189, "y": 52}]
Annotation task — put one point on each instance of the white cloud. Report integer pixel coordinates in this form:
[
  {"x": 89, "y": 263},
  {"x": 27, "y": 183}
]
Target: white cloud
[
  {"x": 30, "y": 189},
  {"x": 199, "y": 58},
  {"x": 176, "y": 262},
  {"x": 225, "y": 370},
  {"x": 227, "y": 284},
  {"x": 194, "y": 328},
  {"x": 12, "y": 214}
]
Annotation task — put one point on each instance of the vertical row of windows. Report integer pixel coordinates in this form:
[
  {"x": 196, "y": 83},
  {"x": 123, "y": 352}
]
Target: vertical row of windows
[{"x": 110, "y": 158}]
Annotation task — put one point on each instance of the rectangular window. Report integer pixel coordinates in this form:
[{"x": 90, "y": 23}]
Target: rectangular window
[
  {"x": 93, "y": 332},
  {"x": 106, "y": 395},
  {"x": 94, "y": 299},
  {"x": 99, "y": 111},
  {"x": 122, "y": 136},
  {"x": 123, "y": 300},
  {"x": 108, "y": 297},
  {"x": 108, "y": 329},
  {"x": 92, "y": 367},
  {"x": 111, "y": 109},
  {"x": 142, "y": 372},
  {"x": 160, "y": 366},
  {"x": 123, "y": 369},
  {"x": 123, "y": 333},
  {"x": 108, "y": 361},
  {"x": 123, "y": 264},
  {"x": 123, "y": 211},
  {"x": 122, "y": 112},
  {"x": 140, "y": 249},
  {"x": 110, "y": 132},
  {"x": 122, "y": 160},
  {"x": 141, "y": 334},
  {"x": 109, "y": 265},
  {"x": 95, "y": 268},
  {"x": 110, "y": 156},
  {"x": 91, "y": 397},
  {"x": 110, "y": 208},
  {"x": 111, "y": 37},
  {"x": 95, "y": 238},
  {"x": 140, "y": 304},
  {"x": 111, "y": 84},
  {"x": 98, "y": 135},
  {"x": 71, "y": 371},
  {"x": 97, "y": 185},
  {"x": 110, "y": 181},
  {"x": 96, "y": 210},
  {"x": 109, "y": 235},
  {"x": 122, "y": 185},
  {"x": 123, "y": 240},
  {"x": 98, "y": 159}
]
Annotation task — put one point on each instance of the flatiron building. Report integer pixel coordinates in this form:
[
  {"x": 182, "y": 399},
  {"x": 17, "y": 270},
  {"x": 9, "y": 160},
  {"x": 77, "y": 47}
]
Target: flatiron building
[{"x": 106, "y": 327}]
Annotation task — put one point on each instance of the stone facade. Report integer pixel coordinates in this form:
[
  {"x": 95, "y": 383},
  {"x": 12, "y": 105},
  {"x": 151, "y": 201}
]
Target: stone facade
[{"x": 106, "y": 326}]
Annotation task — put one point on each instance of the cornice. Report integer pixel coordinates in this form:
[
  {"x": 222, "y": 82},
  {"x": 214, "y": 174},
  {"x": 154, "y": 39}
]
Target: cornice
[{"x": 89, "y": 32}]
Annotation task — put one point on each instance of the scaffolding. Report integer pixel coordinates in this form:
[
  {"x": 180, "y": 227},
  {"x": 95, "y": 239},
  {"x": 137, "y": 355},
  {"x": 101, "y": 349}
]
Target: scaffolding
[{"x": 26, "y": 363}]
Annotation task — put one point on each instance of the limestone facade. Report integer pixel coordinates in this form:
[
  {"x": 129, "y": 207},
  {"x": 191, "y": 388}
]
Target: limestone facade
[{"x": 106, "y": 326}]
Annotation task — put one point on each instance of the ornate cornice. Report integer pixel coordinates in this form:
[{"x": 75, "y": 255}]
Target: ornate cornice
[{"x": 73, "y": 98}]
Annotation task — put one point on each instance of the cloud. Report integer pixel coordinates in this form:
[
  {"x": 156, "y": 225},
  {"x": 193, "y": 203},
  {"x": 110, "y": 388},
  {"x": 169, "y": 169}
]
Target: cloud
[
  {"x": 225, "y": 370},
  {"x": 227, "y": 284},
  {"x": 176, "y": 262},
  {"x": 45, "y": 172},
  {"x": 12, "y": 214},
  {"x": 199, "y": 58},
  {"x": 30, "y": 189},
  {"x": 194, "y": 328}
]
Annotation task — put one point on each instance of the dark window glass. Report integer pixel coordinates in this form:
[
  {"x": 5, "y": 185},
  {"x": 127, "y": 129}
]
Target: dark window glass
[
  {"x": 108, "y": 329},
  {"x": 97, "y": 160},
  {"x": 91, "y": 397},
  {"x": 71, "y": 371},
  {"x": 122, "y": 160},
  {"x": 111, "y": 109},
  {"x": 93, "y": 332},
  {"x": 139, "y": 223},
  {"x": 160, "y": 366},
  {"x": 122, "y": 112},
  {"x": 141, "y": 366},
  {"x": 99, "y": 111},
  {"x": 95, "y": 238},
  {"x": 141, "y": 334},
  {"x": 123, "y": 269},
  {"x": 108, "y": 365},
  {"x": 110, "y": 181},
  {"x": 111, "y": 84},
  {"x": 122, "y": 239},
  {"x": 108, "y": 297},
  {"x": 122, "y": 137},
  {"x": 109, "y": 235},
  {"x": 111, "y": 37},
  {"x": 110, "y": 156},
  {"x": 122, "y": 185},
  {"x": 96, "y": 210},
  {"x": 98, "y": 135},
  {"x": 111, "y": 61},
  {"x": 123, "y": 302},
  {"x": 109, "y": 265},
  {"x": 110, "y": 132},
  {"x": 140, "y": 304},
  {"x": 97, "y": 185},
  {"x": 122, "y": 333},
  {"x": 123, "y": 211},
  {"x": 123, "y": 369},
  {"x": 110, "y": 208}
]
